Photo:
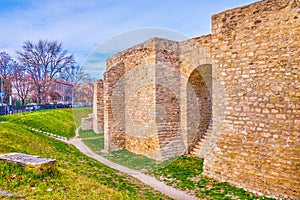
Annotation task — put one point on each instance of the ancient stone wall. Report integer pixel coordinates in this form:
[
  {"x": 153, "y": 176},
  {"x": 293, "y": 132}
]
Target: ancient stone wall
[
  {"x": 139, "y": 79},
  {"x": 242, "y": 80},
  {"x": 98, "y": 107},
  {"x": 167, "y": 98},
  {"x": 143, "y": 94},
  {"x": 130, "y": 78},
  {"x": 114, "y": 127},
  {"x": 256, "y": 51},
  {"x": 195, "y": 89},
  {"x": 87, "y": 123}
]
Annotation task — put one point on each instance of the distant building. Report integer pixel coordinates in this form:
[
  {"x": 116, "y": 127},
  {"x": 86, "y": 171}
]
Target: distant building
[
  {"x": 59, "y": 91},
  {"x": 83, "y": 93}
]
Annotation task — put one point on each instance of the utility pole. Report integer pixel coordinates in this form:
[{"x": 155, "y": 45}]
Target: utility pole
[
  {"x": 41, "y": 94},
  {"x": 1, "y": 83}
]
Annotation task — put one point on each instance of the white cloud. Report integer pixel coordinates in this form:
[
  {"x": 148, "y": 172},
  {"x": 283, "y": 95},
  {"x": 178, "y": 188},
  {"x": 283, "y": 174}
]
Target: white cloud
[
  {"x": 96, "y": 59},
  {"x": 82, "y": 25}
]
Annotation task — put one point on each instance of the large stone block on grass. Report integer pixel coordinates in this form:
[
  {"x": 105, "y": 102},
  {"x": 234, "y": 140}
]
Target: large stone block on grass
[{"x": 32, "y": 163}]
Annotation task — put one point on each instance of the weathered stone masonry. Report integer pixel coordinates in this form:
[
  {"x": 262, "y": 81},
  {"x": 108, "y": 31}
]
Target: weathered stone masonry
[
  {"x": 160, "y": 98},
  {"x": 95, "y": 121},
  {"x": 256, "y": 51},
  {"x": 98, "y": 107},
  {"x": 151, "y": 104}
]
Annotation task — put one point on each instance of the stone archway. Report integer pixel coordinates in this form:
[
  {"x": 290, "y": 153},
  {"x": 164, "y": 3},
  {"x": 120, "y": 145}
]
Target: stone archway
[
  {"x": 195, "y": 91},
  {"x": 199, "y": 104}
]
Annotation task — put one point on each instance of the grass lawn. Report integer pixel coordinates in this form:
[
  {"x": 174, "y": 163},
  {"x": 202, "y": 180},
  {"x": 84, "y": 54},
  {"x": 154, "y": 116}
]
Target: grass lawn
[
  {"x": 79, "y": 113},
  {"x": 131, "y": 160},
  {"x": 56, "y": 121},
  {"x": 77, "y": 176},
  {"x": 184, "y": 173},
  {"x": 61, "y": 122},
  {"x": 89, "y": 134}
]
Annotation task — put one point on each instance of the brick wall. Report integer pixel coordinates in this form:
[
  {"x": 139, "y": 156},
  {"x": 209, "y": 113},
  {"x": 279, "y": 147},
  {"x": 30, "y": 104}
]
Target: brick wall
[{"x": 167, "y": 98}]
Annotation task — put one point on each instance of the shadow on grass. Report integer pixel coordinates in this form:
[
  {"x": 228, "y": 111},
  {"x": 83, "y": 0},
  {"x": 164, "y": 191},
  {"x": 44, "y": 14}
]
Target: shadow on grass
[
  {"x": 184, "y": 173},
  {"x": 123, "y": 157}
]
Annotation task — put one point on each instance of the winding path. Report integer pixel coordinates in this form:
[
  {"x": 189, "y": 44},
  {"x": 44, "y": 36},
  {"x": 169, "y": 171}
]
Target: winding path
[{"x": 146, "y": 179}]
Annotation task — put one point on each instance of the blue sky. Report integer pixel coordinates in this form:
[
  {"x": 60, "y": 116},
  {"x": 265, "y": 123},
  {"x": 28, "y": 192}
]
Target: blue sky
[{"x": 84, "y": 25}]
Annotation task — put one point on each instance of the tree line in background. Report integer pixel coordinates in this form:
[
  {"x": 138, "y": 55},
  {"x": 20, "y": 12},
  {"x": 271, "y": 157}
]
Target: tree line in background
[{"x": 40, "y": 64}]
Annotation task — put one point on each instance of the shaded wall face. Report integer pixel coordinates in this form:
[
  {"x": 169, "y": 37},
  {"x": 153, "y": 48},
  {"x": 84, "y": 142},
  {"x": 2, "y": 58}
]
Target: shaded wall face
[
  {"x": 195, "y": 89},
  {"x": 256, "y": 52},
  {"x": 167, "y": 80},
  {"x": 199, "y": 106},
  {"x": 98, "y": 107},
  {"x": 130, "y": 101},
  {"x": 114, "y": 108}
]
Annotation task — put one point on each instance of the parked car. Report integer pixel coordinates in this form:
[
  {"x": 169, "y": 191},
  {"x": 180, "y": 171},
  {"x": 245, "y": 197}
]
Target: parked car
[
  {"x": 60, "y": 104},
  {"x": 49, "y": 105},
  {"x": 69, "y": 105},
  {"x": 31, "y": 107},
  {"x": 3, "y": 108}
]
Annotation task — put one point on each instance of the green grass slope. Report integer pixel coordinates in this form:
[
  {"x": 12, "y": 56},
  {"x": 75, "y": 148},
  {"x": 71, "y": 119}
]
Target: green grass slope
[
  {"x": 77, "y": 176},
  {"x": 184, "y": 173},
  {"x": 79, "y": 113},
  {"x": 58, "y": 121}
]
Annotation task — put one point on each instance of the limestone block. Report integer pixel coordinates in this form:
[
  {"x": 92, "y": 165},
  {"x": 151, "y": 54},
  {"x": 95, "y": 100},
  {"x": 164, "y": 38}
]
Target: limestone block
[{"x": 32, "y": 163}]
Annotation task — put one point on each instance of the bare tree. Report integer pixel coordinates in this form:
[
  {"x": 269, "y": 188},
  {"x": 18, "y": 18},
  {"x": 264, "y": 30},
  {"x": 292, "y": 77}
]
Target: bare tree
[
  {"x": 83, "y": 86},
  {"x": 21, "y": 82},
  {"x": 7, "y": 65},
  {"x": 71, "y": 74},
  {"x": 83, "y": 83},
  {"x": 84, "y": 90},
  {"x": 44, "y": 61}
]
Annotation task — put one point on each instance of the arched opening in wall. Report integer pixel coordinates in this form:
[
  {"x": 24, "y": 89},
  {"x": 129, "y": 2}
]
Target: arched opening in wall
[{"x": 199, "y": 104}]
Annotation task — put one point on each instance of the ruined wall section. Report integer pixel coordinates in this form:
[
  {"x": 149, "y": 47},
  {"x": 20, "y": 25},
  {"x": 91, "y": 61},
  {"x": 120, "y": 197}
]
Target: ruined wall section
[
  {"x": 130, "y": 101},
  {"x": 141, "y": 131},
  {"x": 114, "y": 122},
  {"x": 87, "y": 123},
  {"x": 195, "y": 91},
  {"x": 98, "y": 107},
  {"x": 256, "y": 51},
  {"x": 167, "y": 104},
  {"x": 143, "y": 98}
]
